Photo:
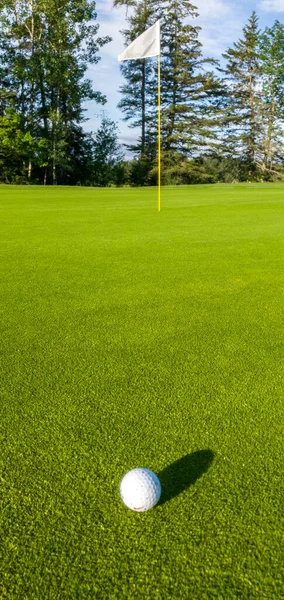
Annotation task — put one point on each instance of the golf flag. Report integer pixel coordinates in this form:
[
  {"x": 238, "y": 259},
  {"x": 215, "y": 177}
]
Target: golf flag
[{"x": 146, "y": 45}]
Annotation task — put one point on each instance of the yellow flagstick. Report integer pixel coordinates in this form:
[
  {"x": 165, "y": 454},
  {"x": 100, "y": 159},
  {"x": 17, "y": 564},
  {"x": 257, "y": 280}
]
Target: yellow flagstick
[{"x": 159, "y": 132}]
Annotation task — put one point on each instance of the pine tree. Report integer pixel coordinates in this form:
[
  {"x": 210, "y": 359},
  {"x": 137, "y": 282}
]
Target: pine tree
[
  {"x": 138, "y": 93},
  {"x": 187, "y": 90},
  {"x": 272, "y": 67},
  {"x": 106, "y": 152},
  {"x": 242, "y": 123}
]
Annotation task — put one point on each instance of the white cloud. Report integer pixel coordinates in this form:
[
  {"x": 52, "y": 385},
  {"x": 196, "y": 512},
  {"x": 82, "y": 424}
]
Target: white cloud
[
  {"x": 272, "y": 5},
  {"x": 212, "y": 9},
  {"x": 215, "y": 43},
  {"x": 220, "y": 25}
]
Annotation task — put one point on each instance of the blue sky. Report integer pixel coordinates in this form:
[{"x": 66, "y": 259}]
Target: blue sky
[{"x": 221, "y": 21}]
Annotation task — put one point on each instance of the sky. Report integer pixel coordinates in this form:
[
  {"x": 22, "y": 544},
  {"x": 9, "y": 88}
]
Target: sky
[{"x": 221, "y": 21}]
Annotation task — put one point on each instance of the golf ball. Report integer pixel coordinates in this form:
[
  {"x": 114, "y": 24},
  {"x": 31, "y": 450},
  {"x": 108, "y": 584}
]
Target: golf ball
[{"x": 140, "y": 489}]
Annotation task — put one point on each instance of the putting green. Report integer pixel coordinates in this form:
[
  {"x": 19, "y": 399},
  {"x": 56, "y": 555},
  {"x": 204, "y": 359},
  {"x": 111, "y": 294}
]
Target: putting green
[{"x": 136, "y": 338}]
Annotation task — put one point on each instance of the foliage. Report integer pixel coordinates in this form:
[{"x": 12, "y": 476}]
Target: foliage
[
  {"x": 242, "y": 124},
  {"x": 141, "y": 171},
  {"x": 45, "y": 49},
  {"x": 217, "y": 124},
  {"x": 139, "y": 92},
  {"x": 272, "y": 67},
  {"x": 107, "y": 154},
  {"x": 15, "y": 148}
]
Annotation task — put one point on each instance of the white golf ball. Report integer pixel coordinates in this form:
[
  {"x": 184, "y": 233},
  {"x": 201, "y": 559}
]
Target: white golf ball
[{"x": 140, "y": 489}]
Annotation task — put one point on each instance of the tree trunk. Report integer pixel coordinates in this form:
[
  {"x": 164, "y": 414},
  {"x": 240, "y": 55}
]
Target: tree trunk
[
  {"x": 268, "y": 158},
  {"x": 252, "y": 119},
  {"x": 43, "y": 104},
  {"x": 143, "y": 94},
  {"x": 31, "y": 31},
  {"x": 55, "y": 128},
  {"x": 54, "y": 180}
]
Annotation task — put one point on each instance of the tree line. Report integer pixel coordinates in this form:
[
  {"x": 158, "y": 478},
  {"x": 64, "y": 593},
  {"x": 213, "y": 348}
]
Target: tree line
[{"x": 220, "y": 120}]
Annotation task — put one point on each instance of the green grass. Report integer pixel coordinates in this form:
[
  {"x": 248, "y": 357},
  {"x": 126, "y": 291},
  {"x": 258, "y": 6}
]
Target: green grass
[{"x": 137, "y": 338}]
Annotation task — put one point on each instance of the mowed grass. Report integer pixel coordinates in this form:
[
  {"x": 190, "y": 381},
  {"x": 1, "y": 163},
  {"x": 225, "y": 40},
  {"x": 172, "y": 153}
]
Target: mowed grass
[{"x": 137, "y": 338}]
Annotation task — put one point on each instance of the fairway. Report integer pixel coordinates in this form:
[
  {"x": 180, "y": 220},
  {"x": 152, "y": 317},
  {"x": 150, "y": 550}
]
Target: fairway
[{"x": 132, "y": 338}]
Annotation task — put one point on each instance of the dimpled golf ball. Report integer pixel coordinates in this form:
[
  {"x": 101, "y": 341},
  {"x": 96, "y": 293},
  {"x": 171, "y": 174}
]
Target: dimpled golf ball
[{"x": 140, "y": 489}]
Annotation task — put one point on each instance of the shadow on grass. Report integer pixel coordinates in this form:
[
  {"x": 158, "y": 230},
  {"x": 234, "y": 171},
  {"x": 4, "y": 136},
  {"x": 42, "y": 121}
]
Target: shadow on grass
[{"x": 183, "y": 473}]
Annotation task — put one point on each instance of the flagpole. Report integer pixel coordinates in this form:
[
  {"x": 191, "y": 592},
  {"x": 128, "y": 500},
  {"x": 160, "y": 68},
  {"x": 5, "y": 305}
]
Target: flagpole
[{"x": 159, "y": 132}]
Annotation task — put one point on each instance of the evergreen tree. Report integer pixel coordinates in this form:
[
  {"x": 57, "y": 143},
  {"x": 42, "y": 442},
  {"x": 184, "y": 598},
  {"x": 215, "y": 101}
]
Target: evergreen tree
[
  {"x": 181, "y": 54},
  {"x": 107, "y": 153},
  {"x": 243, "y": 128},
  {"x": 188, "y": 115},
  {"x": 188, "y": 90},
  {"x": 138, "y": 93},
  {"x": 272, "y": 67}
]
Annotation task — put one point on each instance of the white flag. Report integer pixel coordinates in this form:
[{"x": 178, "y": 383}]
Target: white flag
[{"x": 147, "y": 44}]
